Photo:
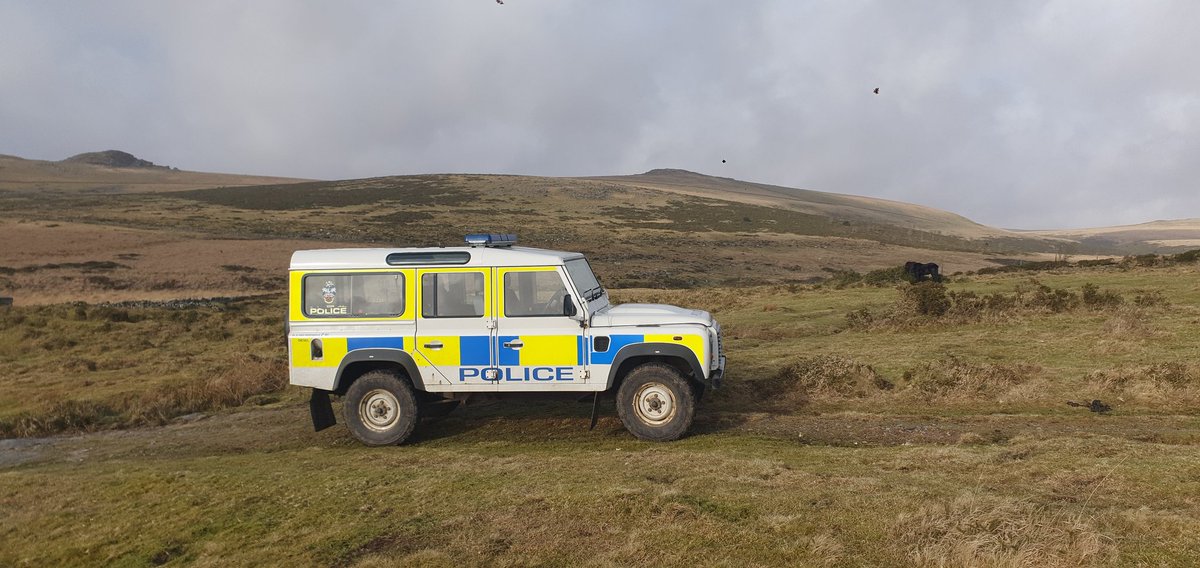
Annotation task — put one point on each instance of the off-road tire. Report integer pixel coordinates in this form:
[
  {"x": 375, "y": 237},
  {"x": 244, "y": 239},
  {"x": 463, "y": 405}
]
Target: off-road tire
[
  {"x": 656, "y": 403},
  {"x": 380, "y": 409}
]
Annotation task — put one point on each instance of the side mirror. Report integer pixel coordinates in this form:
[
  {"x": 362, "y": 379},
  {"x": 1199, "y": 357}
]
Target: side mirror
[{"x": 569, "y": 308}]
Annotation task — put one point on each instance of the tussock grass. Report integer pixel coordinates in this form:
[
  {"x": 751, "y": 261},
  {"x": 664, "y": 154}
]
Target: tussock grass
[
  {"x": 1166, "y": 384},
  {"x": 249, "y": 376},
  {"x": 829, "y": 375},
  {"x": 957, "y": 378},
  {"x": 979, "y": 530},
  {"x": 80, "y": 367}
]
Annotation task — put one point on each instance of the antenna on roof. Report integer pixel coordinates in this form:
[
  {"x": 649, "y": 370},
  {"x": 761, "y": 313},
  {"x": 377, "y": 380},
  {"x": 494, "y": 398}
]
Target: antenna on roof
[{"x": 491, "y": 240}]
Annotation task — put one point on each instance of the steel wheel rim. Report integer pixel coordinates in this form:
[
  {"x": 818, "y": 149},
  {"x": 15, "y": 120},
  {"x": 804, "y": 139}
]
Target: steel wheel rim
[
  {"x": 654, "y": 404},
  {"x": 379, "y": 410}
]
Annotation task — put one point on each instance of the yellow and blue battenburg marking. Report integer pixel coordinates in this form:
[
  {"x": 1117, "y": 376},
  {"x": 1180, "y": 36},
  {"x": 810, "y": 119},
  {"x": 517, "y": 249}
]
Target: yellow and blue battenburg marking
[
  {"x": 541, "y": 357},
  {"x": 615, "y": 343},
  {"x": 353, "y": 343}
]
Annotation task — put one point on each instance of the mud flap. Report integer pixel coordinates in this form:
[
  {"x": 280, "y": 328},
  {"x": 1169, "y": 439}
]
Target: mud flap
[
  {"x": 595, "y": 410},
  {"x": 321, "y": 410}
]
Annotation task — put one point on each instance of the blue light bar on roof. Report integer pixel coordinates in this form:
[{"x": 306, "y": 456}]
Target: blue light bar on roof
[{"x": 491, "y": 240}]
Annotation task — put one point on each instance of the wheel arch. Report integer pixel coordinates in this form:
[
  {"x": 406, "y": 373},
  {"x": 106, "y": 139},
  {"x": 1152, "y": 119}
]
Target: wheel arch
[
  {"x": 361, "y": 361},
  {"x": 680, "y": 357}
]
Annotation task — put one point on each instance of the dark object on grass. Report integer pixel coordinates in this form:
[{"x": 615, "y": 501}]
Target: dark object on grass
[
  {"x": 595, "y": 410},
  {"x": 1094, "y": 406},
  {"x": 321, "y": 410},
  {"x": 6, "y": 301},
  {"x": 918, "y": 271}
]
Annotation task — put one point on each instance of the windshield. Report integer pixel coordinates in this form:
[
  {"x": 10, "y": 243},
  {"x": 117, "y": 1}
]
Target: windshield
[{"x": 585, "y": 281}]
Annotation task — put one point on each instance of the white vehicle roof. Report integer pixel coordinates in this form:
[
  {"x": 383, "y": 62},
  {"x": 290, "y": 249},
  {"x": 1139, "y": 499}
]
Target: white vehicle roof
[{"x": 349, "y": 258}]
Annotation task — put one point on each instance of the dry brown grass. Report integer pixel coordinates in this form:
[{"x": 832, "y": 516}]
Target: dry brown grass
[
  {"x": 1167, "y": 384},
  {"x": 1130, "y": 323},
  {"x": 46, "y": 263},
  {"x": 957, "y": 378},
  {"x": 978, "y": 530},
  {"x": 247, "y": 377},
  {"x": 829, "y": 375}
]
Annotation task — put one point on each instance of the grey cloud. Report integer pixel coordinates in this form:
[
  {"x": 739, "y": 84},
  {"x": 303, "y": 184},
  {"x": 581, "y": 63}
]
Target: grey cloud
[{"x": 1026, "y": 114}]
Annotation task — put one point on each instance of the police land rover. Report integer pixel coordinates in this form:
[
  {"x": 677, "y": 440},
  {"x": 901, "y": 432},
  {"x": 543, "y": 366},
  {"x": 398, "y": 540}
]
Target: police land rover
[{"x": 400, "y": 334}]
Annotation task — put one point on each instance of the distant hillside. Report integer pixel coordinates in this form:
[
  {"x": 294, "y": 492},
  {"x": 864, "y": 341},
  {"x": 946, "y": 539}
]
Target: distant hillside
[
  {"x": 112, "y": 171},
  {"x": 838, "y": 206},
  {"x": 655, "y": 205},
  {"x": 112, "y": 159},
  {"x": 1156, "y": 236}
]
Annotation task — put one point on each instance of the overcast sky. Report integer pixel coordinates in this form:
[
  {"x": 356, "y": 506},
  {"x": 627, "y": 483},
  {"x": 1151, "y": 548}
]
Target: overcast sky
[{"x": 1015, "y": 114}]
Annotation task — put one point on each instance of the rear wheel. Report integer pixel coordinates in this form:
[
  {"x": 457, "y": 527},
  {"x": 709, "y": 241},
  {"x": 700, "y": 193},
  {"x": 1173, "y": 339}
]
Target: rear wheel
[
  {"x": 380, "y": 409},
  {"x": 656, "y": 403}
]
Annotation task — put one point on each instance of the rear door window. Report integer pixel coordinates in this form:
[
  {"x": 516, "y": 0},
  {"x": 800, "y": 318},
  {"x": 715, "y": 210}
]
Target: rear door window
[{"x": 354, "y": 295}]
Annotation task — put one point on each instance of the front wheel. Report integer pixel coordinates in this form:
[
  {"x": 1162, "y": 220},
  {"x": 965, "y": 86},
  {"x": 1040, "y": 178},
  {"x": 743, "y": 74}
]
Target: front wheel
[
  {"x": 656, "y": 403},
  {"x": 380, "y": 409}
]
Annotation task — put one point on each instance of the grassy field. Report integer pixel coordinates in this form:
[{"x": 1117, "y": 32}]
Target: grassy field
[
  {"x": 865, "y": 422},
  {"x": 642, "y": 237},
  {"x": 861, "y": 426}
]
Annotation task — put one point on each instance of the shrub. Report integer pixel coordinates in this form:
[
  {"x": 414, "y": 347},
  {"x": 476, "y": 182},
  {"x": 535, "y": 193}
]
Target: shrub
[
  {"x": 842, "y": 278},
  {"x": 1093, "y": 297},
  {"x": 1056, "y": 300},
  {"x": 1187, "y": 257},
  {"x": 886, "y": 276},
  {"x": 927, "y": 298},
  {"x": 1096, "y": 262}
]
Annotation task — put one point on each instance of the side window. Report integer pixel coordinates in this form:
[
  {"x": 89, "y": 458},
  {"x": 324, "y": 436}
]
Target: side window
[
  {"x": 353, "y": 295},
  {"x": 533, "y": 293},
  {"x": 452, "y": 295}
]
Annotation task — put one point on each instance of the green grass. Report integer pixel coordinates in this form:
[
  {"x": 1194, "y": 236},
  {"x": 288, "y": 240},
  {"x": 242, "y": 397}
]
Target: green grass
[
  {"x": 809, "y": 466},
  {"x": 72, "y": 367},
  {"x": 500, "y": 490}
]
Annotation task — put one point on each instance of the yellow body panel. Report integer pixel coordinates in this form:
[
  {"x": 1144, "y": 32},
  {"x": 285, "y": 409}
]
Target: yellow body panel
[
  {"x": 334, "y": 349},
  {"x": 549, "y": 350},
  {"x": 693, "y": 342},
  {"x": 447, "y": 356}
]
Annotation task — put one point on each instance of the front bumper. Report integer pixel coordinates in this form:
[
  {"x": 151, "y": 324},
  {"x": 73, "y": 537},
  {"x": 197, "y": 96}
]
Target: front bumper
[{"x": 718, "y": 374}]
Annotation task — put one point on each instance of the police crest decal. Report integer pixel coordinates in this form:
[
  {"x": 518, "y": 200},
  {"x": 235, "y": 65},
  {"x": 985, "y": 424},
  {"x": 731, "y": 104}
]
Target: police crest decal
[{"x": 329, "y": 292}]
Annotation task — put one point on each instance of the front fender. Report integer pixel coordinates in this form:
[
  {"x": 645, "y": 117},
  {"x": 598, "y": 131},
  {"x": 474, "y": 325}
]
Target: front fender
[{"x": 667, "y": 350}]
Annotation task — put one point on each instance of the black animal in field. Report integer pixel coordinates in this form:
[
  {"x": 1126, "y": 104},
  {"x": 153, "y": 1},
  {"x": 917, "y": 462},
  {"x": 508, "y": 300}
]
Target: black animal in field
[{"x": 919, "y": 271}]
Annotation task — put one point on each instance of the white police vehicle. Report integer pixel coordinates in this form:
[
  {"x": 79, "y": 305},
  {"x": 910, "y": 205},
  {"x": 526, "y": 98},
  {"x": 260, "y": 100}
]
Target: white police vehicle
[{"x": 404, "y": 333}]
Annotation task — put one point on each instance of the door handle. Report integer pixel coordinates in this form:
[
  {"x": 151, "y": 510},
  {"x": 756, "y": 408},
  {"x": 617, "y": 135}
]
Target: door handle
[
  {"x": 514, "y": 344},
  {"x": 433, "y": 345}
]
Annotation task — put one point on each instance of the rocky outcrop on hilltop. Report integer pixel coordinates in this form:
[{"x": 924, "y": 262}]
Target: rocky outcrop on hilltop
[{"x": 112, "y": 159}]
